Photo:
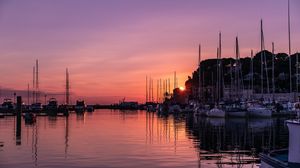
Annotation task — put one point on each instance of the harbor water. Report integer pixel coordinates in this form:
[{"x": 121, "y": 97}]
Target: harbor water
[{"x": 114, "y": 138}]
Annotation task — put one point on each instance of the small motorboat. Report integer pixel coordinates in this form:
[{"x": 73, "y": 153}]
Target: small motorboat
[
  {"x": 89, "y": 108},
  {"x": 52, "y": 107},
  {"x": 80, "y": 106}
]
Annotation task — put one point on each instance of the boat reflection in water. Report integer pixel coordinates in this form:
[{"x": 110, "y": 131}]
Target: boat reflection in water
[
  {"x": 236, "y": 141},
  {"x": 285, "y": 158},
  {"x": 114, "y": 138}
]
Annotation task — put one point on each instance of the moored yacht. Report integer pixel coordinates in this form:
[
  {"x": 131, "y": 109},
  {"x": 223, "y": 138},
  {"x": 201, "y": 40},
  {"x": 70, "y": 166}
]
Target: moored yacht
[
  {"x": 257, "y": 110},
  {"x": 36, "y": 107},
  {"x": 216, "y": 112},
  {"x": 236, "y": 110},
  {"x": 80, "y": 106},
  {"x": 7, "y": 106},
  {"x": 201, "y": 110},
  {"x": 52, "y": 107}
]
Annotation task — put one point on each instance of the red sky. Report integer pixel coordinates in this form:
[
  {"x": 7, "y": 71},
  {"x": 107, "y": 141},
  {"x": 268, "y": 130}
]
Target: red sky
[{"x": 110, "y": 46}]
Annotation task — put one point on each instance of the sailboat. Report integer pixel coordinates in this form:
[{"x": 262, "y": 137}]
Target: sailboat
[
  {"x": 237, "y": 108},
  {"x": 257, "y": 109},
  {"x": 52, "y": 107},
  {"x": 217, "y": 110},
  {"x": 286, "y": 158}
]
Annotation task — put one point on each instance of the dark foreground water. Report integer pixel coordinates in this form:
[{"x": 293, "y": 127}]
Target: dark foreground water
[{"x": 138, "y": 139}]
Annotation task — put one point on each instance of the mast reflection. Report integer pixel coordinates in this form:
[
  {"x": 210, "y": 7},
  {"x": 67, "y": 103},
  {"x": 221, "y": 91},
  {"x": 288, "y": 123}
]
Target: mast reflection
[{"x": 235, "y": 141}]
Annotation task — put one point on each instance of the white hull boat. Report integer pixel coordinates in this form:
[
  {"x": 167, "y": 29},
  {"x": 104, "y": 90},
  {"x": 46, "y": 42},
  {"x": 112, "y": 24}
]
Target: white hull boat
[
  {"x": 257, "y": 111},
  {"x": 215, "y": 112},
  {"x": 241, "y": 113},
  {"x": 294, "y": 141}
]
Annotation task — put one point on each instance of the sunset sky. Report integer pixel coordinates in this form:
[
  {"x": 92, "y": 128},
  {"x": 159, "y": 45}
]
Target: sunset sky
[{"x": 110, "y": 46}]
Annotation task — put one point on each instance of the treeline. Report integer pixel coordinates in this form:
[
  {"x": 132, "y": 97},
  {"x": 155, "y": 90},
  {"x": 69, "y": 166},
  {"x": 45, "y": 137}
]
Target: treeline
[{"x": 208, "y": 69}]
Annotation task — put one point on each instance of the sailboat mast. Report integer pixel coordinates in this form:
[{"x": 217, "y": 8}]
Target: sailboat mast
[
  {"x": 203, "y": 89},
  {"x": 157, "y": 91},
  {"x": 146, "y": 88},
  {"x": 33, "y": 85},
  {"x": 164, "y": 87},
  {"x": 261, "y": 59},
  {"x": 152, "y": 90},
  {"x": 149, "y": 89},
  {"x": 199, "y": 74},
  {"x": 213, "y": 90},
  {"x": 160, "y": 91},
  {"x": 264, "y": 57},
  {"x": 28, "y": 92},
  {"x": 289, "y": 35},
  {"x": 273, "y": 71},
  {"x": 169, "y": 86},
  {"x": 252, "y": 89},
  {"x": 166, "y": 91},
  {"x": 37, "y": 80},
  {"x": 231, "y": 80},
  {"x": 175, "y": 80},
  {"x": 297, "y": 74},
  {"x": 237, "y": 69},
  {"x": 218, "y": 81},
  {"x": 67, "y": 87},
  {"x": 219, "y": 67}
]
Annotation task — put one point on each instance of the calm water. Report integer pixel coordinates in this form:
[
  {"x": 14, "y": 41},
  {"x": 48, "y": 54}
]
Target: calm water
[{"x": 108, "y": 138}]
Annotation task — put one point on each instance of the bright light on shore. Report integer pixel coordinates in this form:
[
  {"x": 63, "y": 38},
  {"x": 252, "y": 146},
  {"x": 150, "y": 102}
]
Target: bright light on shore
[{"x": 181, "y": 88}]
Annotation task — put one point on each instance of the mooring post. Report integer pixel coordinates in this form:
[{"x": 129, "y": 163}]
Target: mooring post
[{"x": 19, "y": 116}]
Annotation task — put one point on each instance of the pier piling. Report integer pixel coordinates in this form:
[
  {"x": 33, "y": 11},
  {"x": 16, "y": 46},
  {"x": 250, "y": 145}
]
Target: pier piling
[{"x": 19, "y": 115}]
